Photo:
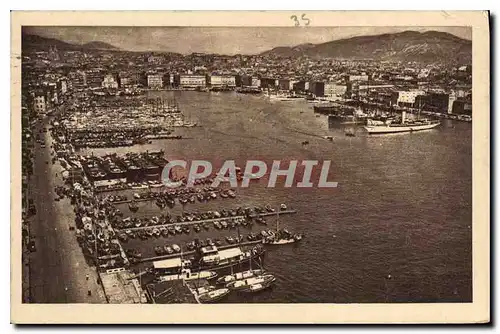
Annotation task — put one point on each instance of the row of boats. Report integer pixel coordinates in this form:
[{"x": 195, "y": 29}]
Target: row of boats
[
  {"x": 240, "y": 216},
  {"x": 168, "y": 198},
  {"x": 164, "y": 231},
  {"x": 272, "y": 237}
]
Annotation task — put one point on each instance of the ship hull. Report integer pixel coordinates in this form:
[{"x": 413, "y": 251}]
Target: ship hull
[{"x": 398, "y": 129}]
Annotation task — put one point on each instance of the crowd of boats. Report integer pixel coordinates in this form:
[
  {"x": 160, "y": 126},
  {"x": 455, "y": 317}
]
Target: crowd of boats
[
  {"x": 213, "y": 273},
  {"x": 378, "y": 121},
  {"x": 121, "y": 122},
  {"x": 102, "y": 229},
  {"x": 250, "y": 281},
  {"x": 168, "y": 197},
  {"x": 269, "y": 236},
  {"x": 224, "y": 218}
]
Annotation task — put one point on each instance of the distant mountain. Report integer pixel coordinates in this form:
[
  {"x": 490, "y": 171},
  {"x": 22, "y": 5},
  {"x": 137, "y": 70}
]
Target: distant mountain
[
  {"x": 430, "y": 46},
  {"x": 35, "y": 42},
  {"x": 99, "y": 46},
  {"x": 43, "y": 43}
]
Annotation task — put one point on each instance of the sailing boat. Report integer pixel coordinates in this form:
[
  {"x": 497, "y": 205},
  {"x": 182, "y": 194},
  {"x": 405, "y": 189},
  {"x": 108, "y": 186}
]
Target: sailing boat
[
  {"x": 240, "y": 275},
  {"x": 282, "y": 237},
  {"x": 210, "y": 294}
]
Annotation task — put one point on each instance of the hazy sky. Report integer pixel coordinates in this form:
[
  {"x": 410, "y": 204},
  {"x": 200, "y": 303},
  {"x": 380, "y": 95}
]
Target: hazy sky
[{"x": 232, "y": 40}]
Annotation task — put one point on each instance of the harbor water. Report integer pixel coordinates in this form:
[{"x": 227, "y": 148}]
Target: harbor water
[{"x": 397, "y": 228}]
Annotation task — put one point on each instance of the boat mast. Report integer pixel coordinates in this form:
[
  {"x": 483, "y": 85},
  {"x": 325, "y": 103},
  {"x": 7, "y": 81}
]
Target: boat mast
[
  {"x": 239, "y": 245},
  {"x": 277, "y": 220}
]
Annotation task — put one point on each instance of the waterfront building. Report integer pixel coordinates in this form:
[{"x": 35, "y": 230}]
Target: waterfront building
[
  {"x": 406, "y": 98},
  {"x": 155, "y": 80},
  {"x": 255, "y": 82},
  {"x": 268, "y": 83},
  {"x": 317, "y": 88},
  {"x": 333, "y": 89},
  {"x": 283, "y": 84},
  {"x": 222, "y": 80},
  {"x": 192, "y": 81},
  {"x": 438, "y": 102}
]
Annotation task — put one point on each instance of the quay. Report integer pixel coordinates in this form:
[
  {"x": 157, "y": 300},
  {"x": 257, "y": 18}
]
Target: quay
[
  {"x": 121, "y": 287},
  {"x": 170, "y": 256},
  {"x": 208, "y": 220}
]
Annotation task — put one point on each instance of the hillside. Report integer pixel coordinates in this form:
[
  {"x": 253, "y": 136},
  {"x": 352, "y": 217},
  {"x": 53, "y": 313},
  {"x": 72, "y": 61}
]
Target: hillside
[
  {"x": 431, "y": 46},
  {"x": 99, "y": 46},
  {"x": 34, "y": 42}
]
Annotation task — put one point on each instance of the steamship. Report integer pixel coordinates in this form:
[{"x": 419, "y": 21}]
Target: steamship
[{"x": 388, "y": 126}]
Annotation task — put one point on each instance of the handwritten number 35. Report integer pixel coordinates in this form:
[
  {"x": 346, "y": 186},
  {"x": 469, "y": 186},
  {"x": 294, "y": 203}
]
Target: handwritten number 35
[{"x": 302, "y": 17}]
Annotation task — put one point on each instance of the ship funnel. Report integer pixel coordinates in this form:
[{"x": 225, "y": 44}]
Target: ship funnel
[{"x": 403, "y": 117}]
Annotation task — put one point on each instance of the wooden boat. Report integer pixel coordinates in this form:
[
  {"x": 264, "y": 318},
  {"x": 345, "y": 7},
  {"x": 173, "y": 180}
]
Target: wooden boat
[
  {"x": 246, "y": 283},
  {"x": 188, "y": 276},
  {"x": 213, "y": 296},
  {"x": 259, "y": 286},
  {"x": 280, "y": 237},
  {"x": 239, "y": 276}
]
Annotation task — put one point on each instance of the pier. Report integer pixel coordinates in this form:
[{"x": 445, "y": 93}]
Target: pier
[
  {"x": 265, "y": 214},
  {"x": 170, "y": 256}
]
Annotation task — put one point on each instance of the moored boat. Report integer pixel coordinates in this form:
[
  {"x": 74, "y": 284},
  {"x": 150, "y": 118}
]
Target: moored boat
[
  {"x": 211, "y": 259},
  {"x": 187, "y": 275},
  {"x": 381, "y": 127},
  {"x": 213, "y": 296},
  {"x": 260, "y": 286},
  {"x": 246, "y": 283},
  {"x": 239, "y": 276}
]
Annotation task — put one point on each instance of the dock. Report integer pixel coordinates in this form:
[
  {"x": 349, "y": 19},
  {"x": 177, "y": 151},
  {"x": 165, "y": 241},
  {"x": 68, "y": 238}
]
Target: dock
[
  {"x": 121, "y": 287},
  {"x": 265, "y": 214},
  {"x": 170, "y": 256}
]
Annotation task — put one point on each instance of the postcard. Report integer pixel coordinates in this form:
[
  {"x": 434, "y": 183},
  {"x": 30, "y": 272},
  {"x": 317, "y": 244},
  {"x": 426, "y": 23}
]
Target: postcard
[{"x": 250, "y": 167}]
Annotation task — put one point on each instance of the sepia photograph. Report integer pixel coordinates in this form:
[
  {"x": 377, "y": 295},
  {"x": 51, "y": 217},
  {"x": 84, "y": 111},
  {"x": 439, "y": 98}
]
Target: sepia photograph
[{"x": 256, "y": 164}]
